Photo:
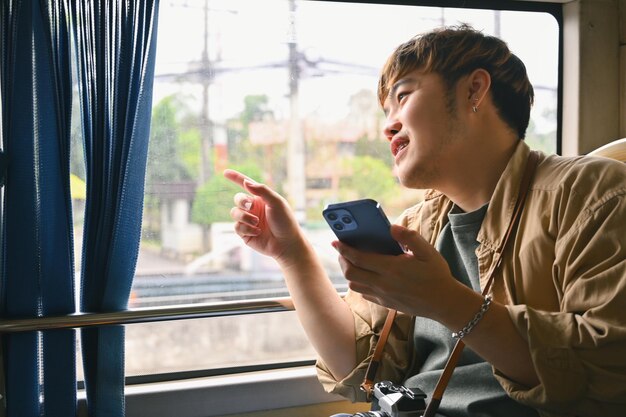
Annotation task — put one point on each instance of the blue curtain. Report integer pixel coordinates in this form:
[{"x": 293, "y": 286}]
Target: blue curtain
[
  {"x": 37, "y": 255},
  {"x": 115, "y": 57}
]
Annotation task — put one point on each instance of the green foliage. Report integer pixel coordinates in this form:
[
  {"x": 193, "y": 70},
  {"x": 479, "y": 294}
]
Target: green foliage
[
  {"x": 269, "y": 159},
  {"x": 165, "y": 162},
  {"x": 371, "y": 178},
  {"x": 214, "y": 199},
  {"x": 189, "y": 149},
  {"x": 255, "y": 108},
  {"x": 376, "y": 148}
]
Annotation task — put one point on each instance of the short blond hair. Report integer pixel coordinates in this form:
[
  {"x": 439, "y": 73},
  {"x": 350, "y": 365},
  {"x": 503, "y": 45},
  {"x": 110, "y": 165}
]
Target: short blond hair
[{"x": 456, "y": 51}]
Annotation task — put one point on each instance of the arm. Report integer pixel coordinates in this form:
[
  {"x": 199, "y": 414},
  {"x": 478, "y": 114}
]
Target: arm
[
  {"x": 579, "y": 351},
  {"x": 266, "y": 224},
  {"x": 420, "y": 283},
  {"x": 567, "y": 361},
  {"x": 495, "y": 338}
]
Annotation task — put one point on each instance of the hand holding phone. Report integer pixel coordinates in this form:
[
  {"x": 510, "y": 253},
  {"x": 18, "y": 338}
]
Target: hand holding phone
[{"x": 363, "y": 225}]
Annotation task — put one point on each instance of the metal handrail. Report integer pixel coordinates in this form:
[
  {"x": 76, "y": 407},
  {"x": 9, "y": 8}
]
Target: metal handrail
[{"x": 146, "y": 315}]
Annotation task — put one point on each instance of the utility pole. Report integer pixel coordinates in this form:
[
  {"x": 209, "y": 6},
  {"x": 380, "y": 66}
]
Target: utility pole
[
  {"x": 296, "y": 158},
  {"x": 496, "y": 23},
  {"x": 206, "y": 140}
]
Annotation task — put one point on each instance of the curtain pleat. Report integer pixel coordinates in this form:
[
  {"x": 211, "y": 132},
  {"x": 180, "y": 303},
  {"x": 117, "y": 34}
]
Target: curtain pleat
[
  {"x": 37, "y": 242},
  {"x": 115, "y": 42}
]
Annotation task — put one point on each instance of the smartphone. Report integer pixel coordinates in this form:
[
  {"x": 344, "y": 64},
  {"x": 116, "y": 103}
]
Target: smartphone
[{"x": 362, "y": 224}]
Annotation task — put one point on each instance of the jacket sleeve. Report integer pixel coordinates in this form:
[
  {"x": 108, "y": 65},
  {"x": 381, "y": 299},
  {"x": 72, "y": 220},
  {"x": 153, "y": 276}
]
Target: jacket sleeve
[
  {"x": 369, "y": 319},
  {"x": 579, "y": 351}
]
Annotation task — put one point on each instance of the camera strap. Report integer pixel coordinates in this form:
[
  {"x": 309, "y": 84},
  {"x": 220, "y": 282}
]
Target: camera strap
[{"x": 368, "y": 383}]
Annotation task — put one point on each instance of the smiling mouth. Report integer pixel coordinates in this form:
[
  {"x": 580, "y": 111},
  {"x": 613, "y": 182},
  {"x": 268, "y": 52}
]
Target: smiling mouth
[{"x": 397, "y": 145}]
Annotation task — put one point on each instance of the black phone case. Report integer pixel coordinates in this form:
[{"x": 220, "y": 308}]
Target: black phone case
[{"x": 362, "y": 224}]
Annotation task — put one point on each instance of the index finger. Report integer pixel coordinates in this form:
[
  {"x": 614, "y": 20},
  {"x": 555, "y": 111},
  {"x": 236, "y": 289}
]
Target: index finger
[{"x": 237, "y": 177}]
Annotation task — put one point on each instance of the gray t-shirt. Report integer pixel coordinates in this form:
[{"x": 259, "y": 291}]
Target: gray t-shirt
[{"x": 473, "y": 390}]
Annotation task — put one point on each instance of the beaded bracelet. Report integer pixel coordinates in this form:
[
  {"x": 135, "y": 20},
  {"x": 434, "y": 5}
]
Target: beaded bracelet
[{"x": 469, "y": 326}]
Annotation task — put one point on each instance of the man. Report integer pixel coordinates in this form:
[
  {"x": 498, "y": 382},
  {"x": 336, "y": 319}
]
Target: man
[{"x": 553, "y": 340}]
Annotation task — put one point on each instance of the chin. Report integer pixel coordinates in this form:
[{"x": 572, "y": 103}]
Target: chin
[
  {"x": 414, "y": 177},
  {"x": 410, "y": 181}
]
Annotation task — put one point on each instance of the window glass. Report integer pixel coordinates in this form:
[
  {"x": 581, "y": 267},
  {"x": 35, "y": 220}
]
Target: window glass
[
  {"x": 215, "y": 343},
  {"x": 286, "y": 92}
]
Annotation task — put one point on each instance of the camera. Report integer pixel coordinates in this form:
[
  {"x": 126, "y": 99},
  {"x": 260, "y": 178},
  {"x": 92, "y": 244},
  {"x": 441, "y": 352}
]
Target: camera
[{"x": 396, "y": 401}]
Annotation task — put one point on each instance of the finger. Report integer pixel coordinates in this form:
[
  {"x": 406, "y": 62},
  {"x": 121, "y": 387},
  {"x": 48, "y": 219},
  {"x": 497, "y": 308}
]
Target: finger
[
  {"x": 364, "y": 260},
  {"x": 243, "y": 201},
  {"x": 368, "y": 293},
  {"x": 254, "y": 204},
  {"x": 245, "y": 230},
  {"x": 361, "y": 280},
  {"x": 270, "y": 197},
  {"x": 243, "y": 216},
  {"x": 412, "y": 240},
  {"x": 257, "y": 208},
  {"x": 236, "y": 177},
  {"x": 365, "y": 290}
]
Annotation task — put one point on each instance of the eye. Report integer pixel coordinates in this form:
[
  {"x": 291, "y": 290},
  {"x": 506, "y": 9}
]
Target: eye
[{"x": 401, "y": 96}]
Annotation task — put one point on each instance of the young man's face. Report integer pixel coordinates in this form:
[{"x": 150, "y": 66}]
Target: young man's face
[{"x": 422, "y": 127}]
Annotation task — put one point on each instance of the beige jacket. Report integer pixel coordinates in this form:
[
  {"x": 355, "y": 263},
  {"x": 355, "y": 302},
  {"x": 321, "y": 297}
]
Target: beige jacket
[{"x": 563, "y": 280}]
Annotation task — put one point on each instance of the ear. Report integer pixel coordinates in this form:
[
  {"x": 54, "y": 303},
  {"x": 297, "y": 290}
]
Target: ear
[{"x": 478, "y": 84}]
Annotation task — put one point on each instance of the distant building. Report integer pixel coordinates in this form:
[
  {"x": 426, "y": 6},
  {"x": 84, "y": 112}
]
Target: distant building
[{"x": 179, "y": 236}]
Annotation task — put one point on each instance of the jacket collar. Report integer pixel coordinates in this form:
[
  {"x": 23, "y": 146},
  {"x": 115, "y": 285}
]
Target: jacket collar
[
  {"x": 434, "y": 213},
  {"x": 502, "y": 202}
]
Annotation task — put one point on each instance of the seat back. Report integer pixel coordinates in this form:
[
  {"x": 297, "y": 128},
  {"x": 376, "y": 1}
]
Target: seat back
[{"x": 613, "y": 150}]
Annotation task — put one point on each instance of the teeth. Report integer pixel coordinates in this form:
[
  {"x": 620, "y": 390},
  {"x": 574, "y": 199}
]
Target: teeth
[{"x": 400, "y": 147}]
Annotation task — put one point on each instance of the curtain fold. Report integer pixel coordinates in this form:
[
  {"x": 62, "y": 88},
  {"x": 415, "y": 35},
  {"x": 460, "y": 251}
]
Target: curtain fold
[
  {"x": 115, "y": 42},
  {"x": 37, "y": 276}
]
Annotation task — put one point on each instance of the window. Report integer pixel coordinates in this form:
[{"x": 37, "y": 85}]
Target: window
[{"x": 284, "y": 90}]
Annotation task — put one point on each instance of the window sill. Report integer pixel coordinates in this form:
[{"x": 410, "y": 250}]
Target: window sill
[{"x": 223, "y": 395}]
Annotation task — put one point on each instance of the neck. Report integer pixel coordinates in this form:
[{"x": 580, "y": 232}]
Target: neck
[{"x": 472, "y": 182}]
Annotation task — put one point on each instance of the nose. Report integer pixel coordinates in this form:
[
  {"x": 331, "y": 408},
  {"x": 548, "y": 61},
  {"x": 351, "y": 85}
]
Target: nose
[{"x": 392, "y": 126}]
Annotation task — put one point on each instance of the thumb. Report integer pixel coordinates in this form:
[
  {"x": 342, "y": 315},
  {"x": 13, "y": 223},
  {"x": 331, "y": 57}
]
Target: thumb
[{"x": 412, "y": 241}]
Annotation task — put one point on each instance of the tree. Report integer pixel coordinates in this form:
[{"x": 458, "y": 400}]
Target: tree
[
  {"x": 270, "y": 158},
  {"x": 165, "y": 162},
  {"x": 214, "y": 199},
  {"x": 376, "y": 148},
  {"x": 371, "y": 178},
  {"x": 255, "y": 109},
  {"x": 173, "y": 156}
]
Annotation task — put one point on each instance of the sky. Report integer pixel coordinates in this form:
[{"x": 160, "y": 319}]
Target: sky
[{"x": 252, "y": 34}]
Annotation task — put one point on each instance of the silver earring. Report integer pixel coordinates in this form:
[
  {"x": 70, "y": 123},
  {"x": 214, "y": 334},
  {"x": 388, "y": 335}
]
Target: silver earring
[{"x": 475, "y": 106}]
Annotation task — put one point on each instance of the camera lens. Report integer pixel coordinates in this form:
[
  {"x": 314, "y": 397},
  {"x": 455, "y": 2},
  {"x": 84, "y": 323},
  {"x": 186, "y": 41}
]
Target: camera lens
[
  {"x": 338, "y": 226},
  {"x": 346, "y": 219},
  {"x": 332, "y": 216}
]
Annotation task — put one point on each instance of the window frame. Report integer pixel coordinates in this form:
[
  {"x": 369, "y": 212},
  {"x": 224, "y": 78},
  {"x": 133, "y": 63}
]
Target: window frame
[
  {"x": 553, "y": 8},
  {"x": 296, "y": 381},
  {"x": 301, "y": 383}
]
